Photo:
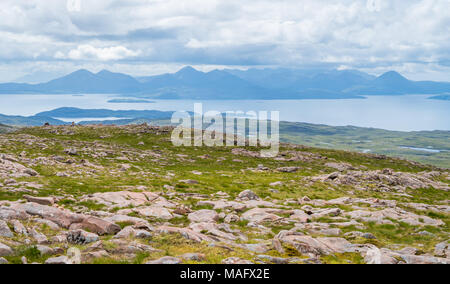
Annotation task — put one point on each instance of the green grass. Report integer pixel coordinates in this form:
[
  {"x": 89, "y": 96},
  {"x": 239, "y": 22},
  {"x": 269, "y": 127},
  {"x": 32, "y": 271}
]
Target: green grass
[{"x": 227, "y": 176}]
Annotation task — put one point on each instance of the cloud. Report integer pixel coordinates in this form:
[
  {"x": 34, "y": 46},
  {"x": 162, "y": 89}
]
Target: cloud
[
  {"x": 362, "y": 34},
  {"x": 89, "y": 52}
]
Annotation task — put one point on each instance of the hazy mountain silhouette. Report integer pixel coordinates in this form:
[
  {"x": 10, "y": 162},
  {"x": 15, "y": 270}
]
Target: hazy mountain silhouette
[{"x": 189, "y": 83}]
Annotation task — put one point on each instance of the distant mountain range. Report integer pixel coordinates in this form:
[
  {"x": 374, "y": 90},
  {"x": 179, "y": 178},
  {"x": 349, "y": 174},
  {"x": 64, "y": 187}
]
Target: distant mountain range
[
  {"x": 95, "y": 116},
  {"x": 441, "y": 98},
  {"x": 189, "y": 83}
]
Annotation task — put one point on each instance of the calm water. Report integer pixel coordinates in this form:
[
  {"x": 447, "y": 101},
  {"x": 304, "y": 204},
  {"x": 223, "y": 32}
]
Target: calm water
[{"x": 405, "y": 113}]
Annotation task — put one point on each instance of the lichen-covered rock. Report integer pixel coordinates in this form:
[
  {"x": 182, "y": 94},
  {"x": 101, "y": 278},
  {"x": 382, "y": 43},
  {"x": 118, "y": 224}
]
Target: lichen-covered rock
[
  {"x": 247, "y": 195},
  {"x": 5, "y": 231},
  {"x": 442, "y": 249},
  {"x": 259, "y": 215},
  {"x": 8, "y": 213},
  {"x": 5, "y": 250},
  {"x": 203, "y": 216},
  {"x": 166, "y": 260},
  {"x": 96, "y": 225},
  {"x": 236, "y": 260},
  {"x": 63, "y": 218},
  {"x": 81, "y": 237},
  {"x": 58, "y": 260},
  {"x": 49, "y": 201}
]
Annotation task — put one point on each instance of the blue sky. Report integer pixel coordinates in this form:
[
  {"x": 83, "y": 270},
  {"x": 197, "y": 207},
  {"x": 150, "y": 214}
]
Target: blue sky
[{"x": 41, "y": 39}]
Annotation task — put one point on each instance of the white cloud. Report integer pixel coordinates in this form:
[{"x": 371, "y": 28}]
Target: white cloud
[
  {"x": 89, "y": 52},
  {"x": 356, "y": 33}
]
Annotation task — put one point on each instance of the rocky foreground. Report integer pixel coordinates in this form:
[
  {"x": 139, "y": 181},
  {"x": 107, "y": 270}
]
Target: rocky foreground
[{"x": 104, "y": 194}]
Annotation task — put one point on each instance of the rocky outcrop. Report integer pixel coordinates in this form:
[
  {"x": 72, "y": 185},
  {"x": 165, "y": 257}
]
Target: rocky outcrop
[
  {"x": 8, "y": 213},
  {"x": 186, "y": 233},
  {"x": 50, "y": 201},
  {"x": 384, "y": 216},
  {"x": 260, "y": 215},
  {"x": 4, "y": 230},
  {"x": 123, "y": 199},
  {"x": 96, "y": 225},
  {"x": 166, "y": 260},
  {"x": 5, "y": 250},
  {"x": 204, "y": 216},
  {"x": 247, "y": 195},
  {"x": 386, "y": 180},
  {"x": 11, "y": 168},
  {"x": 63, "y": 218},
  {"x": 81, "y": 237}
]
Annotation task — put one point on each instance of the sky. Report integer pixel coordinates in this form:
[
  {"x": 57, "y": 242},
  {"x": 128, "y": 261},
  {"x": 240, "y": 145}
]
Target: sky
[{"x": 42, "y": 39}]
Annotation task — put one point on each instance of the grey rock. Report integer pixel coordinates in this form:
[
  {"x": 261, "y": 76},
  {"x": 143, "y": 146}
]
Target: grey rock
[
  {"x": 4, "y": 230},
  {"x": 207, "y": 216},
  {"x": 49, "y": 201},
  {"x": 248, "y": 195},
  {"x": 19, "y": 228},
  {"x": 58, "y": 260},
  {"x": 166, "y": 260},
  {"x": 81, "y": 237},
  {"x": 442, "y": 249},
  {"x": 45, "y": 250},
  {"x": 193, "y": 256},
  {"x": 5, "y": 250}
]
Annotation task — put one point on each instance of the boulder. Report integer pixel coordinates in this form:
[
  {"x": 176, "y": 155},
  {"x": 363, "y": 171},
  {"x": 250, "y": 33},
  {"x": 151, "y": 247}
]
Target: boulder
[
  {"x": 272, "y": 259},
  {"x": 277, "y": 183},
  {"x": 126, "y": 219},
  {"x": 96, "y": 225},
  {"x": 236, "y": 260},
  {"x": 61, "y": 217},
  {"x": 442, "y": 249},
  {"x": 50, "y": 224},
  {"x": 81, "y": 237},
  {"x": 203, "y": 216},
  {"x": 45, "y": 250},
  {"x": 315, "y": 246},
  {"x": 193, "y": 256},
  {"x": 212, "y": 229},
  {"x": 8, "y": 213},
  {"x": 247, "y": 195},
  {"x": 166, "y": 260},
  {"x": 123, "y": 199},
  {"x": 19, "y": 228},
  {"x": 300, "y": 216},
  {"x": 186, "y": 233},
  {"x": 4, "y": 230},
  {"x": 383, "y": 216},
  {"x": 50, "y": 201},
  {"x": 423, "y": 259},
  {"x": 231, "y": 218},
  {"x": 259, "y": 215},
  {"x": 288, "y": 169},
  {"x": 154, "y": 211},
  {"x": 39, "y": 237},
  {"x": 223, "y": 204},
  {"x": 129, "y": 231},
  {"x": 5, "y": 250},
  {"x": 58, "y": 260}
]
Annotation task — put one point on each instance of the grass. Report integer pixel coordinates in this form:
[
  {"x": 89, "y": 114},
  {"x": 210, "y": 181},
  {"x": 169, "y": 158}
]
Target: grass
[{"x": 158, "y": 163}]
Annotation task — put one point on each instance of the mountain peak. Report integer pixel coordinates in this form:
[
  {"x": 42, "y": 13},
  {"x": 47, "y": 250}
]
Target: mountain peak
[
  {"x": 104, "y": 71},
  {"x": 188, "y": 73},
  {"x": 187, "y": 70},
  {"x": 82, "y": 71},
  {"x": 392, "y": 75}
]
